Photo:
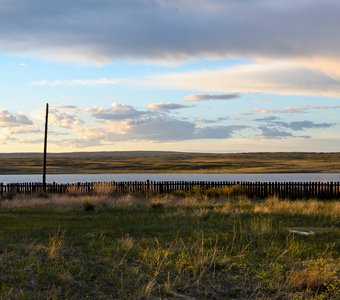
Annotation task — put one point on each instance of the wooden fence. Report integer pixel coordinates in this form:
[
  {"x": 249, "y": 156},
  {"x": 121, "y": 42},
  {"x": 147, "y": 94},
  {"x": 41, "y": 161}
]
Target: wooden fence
[{"x": 291, "y": 190}]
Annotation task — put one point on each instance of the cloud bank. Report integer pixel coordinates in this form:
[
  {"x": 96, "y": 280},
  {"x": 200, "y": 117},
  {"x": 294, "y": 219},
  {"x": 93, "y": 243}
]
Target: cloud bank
[
  {"x": 8, "y": 119},
  {"x": 122, "y": 123},
  {"x": 273, "y": 128},
  {"x": 292, "y": 45},
  {"x": 274, "y": 77},
  {"x": 102, "y": 30}
]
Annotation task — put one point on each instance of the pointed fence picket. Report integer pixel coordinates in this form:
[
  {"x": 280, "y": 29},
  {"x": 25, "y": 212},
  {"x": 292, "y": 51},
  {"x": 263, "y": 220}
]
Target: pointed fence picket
[{"x": 291, "y": 190}]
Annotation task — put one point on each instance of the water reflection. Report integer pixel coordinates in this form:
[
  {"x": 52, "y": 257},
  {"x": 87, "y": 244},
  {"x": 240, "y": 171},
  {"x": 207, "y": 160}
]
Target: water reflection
[{"x": 72, "y": 178}]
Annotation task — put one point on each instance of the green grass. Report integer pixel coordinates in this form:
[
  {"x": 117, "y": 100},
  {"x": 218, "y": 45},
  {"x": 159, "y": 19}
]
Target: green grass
[
  {"x": 133, "y": 248},
  {"x": 170, "y": 162}
]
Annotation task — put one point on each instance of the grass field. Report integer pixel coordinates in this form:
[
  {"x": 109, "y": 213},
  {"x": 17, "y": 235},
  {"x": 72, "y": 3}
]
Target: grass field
[
  {"x": 138, "y": 247},
  {"x": 170, "y": 162}
]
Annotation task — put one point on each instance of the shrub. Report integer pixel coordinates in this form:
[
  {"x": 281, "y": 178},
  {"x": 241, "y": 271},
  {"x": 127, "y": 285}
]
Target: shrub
[{"x": 88, "y": 206}]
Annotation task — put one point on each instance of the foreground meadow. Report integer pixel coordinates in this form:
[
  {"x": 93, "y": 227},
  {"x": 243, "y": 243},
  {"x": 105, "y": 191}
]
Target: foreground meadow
[{"x": 138, "y": 247}]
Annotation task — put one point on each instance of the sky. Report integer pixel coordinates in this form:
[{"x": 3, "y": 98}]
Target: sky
[{"x": 180, "y": 75}]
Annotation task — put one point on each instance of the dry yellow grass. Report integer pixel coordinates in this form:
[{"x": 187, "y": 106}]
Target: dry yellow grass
[
  {"x": 240, "y": 204},
  {"x": 225, "y": 248},
  {"x": 315, "y": 275},
  {"x": 226, "y": 205},
  {"x": 303, "y": 207},
  {"x": 67, "y": 201},
  {"x": 165, "y": 162},
  {"x": 55, "y": 242},
  {"x": 54, "y": 201}
]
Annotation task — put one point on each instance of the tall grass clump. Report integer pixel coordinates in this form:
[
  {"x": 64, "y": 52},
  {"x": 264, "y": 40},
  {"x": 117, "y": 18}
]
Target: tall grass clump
[
  {"x": 55, "y": 243},
  {"x": 298, "y": 207}
]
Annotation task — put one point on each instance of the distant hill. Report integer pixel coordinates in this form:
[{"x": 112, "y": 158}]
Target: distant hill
[{"x": 170, "y": 162}]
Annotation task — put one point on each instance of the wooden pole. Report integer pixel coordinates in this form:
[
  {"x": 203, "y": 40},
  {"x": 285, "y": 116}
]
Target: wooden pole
[{"x": 45, "y": 149}]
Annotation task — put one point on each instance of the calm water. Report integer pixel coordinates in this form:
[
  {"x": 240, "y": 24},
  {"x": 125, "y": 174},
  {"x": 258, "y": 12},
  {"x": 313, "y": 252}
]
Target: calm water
[{"x": 71, "y": 178}]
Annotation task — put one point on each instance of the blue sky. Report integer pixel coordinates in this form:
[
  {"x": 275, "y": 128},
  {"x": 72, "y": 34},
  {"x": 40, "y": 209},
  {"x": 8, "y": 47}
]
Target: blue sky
[{"x": 182, "y": 75}]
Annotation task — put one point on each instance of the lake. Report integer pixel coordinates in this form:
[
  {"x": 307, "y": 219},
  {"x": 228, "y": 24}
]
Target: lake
[{"x": 73, "y": 178}]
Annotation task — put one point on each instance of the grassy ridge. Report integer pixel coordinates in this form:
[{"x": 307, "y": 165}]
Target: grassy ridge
[
  {"x": 171, "y": 162},
  {"x": 152, "y": 248}
]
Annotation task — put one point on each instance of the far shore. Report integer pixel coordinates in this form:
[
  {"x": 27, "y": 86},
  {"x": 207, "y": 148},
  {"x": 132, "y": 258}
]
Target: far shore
[{"x": 170, "y": 162}]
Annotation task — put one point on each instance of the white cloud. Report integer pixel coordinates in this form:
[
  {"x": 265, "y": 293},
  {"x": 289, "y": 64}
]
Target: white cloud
[
  {"x": 302, "y": 34},
  {"x": 160, "y": 129},
  {"x": 276, "y": 129},
  {"x": 266, "y": 77},
  {"x": 123, "y": 122},
  {"x": 301, "y": 125},
  {"x": 217, "y": 132},
  {"x": 156, "y": 128},
  {"x": 166, "y": 106},
  {"x": 120, "y": 123},
  {"x": 270, "y": 132},
  {"x": 115, "y": 112},
  {"x": 8, "y": 119},
  {"x": 66, "y": 107},
  {"x": 208, "y": 97},
  {"x": 295, "y": 109},
  {"x": 9, "y": 131},
  {"x": 19, "y": 133},
  {"x": 76, "y": 82},
  {"x": 64, "y": 120},
  {"x": 260, "y": 110}
]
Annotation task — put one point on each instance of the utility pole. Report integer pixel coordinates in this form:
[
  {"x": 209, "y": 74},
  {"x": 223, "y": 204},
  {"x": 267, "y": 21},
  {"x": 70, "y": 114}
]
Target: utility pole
[{"x": 45, "y": 149}]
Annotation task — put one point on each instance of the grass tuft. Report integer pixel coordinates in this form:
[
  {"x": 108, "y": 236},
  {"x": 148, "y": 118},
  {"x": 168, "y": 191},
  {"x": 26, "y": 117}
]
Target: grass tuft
[{"x": 55, "y": 243}]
